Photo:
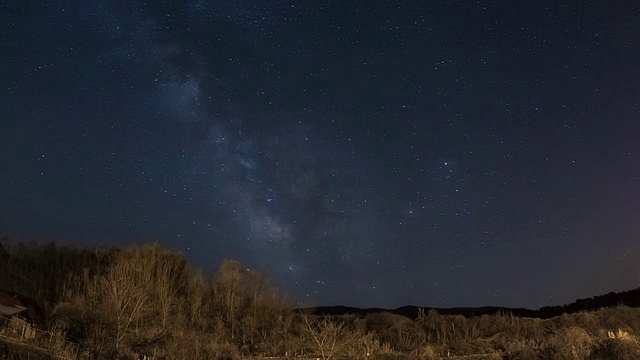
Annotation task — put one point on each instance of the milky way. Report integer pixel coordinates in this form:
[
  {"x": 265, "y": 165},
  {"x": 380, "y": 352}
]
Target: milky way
[{"x": 369, "y": 154}]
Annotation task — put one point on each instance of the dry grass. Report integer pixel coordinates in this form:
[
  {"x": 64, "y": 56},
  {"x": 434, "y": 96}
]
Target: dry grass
[{"x": 145, "y": 300}]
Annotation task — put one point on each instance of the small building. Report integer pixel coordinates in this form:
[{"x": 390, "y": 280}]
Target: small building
[
  {"x": 15, "y": 321},
  {"x": 10, "y": 304}
]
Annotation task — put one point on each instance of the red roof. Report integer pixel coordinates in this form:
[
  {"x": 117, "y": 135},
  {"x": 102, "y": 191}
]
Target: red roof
[{"x": 10, "y": 304}]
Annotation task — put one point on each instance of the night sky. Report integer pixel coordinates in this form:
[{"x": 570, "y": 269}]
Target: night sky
[{"x": 364, "y": 153}]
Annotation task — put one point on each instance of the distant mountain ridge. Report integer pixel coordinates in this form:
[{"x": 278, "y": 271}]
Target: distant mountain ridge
[{"x": 629, "y": 298}]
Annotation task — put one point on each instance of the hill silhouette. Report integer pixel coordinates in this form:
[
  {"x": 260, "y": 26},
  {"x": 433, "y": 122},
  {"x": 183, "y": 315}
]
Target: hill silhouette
[{"x": 629, "y": 298}]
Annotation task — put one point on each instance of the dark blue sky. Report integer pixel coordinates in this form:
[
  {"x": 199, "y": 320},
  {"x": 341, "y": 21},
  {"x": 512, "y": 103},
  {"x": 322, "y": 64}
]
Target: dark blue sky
[{"x": 367, "y": 153}]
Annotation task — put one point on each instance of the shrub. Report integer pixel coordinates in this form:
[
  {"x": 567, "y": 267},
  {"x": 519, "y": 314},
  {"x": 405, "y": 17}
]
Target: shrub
[
  {"x": 619, "y": 345},
  {"x": 572, "y": 343}
]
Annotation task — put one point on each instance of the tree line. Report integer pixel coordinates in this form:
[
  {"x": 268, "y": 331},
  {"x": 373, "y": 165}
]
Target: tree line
[{"x": 148, "y": 301}]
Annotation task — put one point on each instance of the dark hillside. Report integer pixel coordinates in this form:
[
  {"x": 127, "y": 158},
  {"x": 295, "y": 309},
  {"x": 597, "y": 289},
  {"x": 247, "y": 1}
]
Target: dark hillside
[{"x": 629, "y": 298}]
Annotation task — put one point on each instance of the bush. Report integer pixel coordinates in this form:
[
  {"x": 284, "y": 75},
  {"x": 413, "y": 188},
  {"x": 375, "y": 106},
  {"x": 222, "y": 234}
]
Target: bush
[
  {"x": 401, "y": 333},
  {"x": 572, "y": 343},
  {"x": 619, "y": 345}
]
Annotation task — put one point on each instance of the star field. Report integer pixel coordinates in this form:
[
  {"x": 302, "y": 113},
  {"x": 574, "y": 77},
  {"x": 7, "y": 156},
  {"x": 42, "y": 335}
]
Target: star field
[{"x": 440, "y": 153}]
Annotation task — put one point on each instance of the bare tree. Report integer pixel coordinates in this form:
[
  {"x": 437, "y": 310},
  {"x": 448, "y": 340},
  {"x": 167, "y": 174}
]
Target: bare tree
[
  {"x": 135, "y": 300},
  {"x": 123, "y": 294},
  {"x": 327, "y": 334},
  {"x": 169, "y": 276},
  {"x": 229, "y": 292}
]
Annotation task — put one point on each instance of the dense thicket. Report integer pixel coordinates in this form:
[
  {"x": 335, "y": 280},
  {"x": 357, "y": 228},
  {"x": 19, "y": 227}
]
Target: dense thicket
[{"x": 147, "y": 300}]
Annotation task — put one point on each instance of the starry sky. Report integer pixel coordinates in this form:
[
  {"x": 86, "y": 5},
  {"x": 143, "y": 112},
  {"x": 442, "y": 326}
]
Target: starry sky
[{"x": 364, "y": 153}]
